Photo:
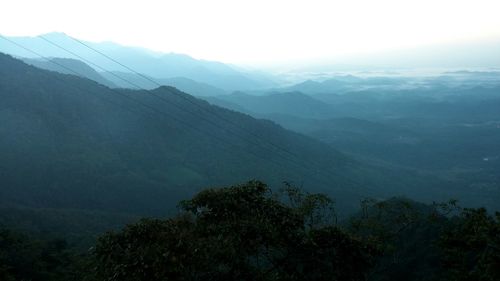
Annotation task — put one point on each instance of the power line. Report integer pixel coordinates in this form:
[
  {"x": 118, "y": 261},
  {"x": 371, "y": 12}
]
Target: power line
[
  {"x": 87, "y": 61},
  {"x": 257, "y": 136},
  {"x": 112, "y": 90},
  {"x": 222, "y": 141},
  {"x": 135, "y": 85},
  {"x": 171, "y": 102},
  {"x": 235, "y": 125},
  {"x": 60, "y": 65}
]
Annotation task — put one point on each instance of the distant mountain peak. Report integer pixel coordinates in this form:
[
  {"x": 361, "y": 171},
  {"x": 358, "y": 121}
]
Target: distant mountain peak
[
  {"x": 70, "y": 66},
  {"x": 147, "y": 62}
]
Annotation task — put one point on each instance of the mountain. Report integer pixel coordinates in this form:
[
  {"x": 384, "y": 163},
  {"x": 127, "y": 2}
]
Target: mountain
[
  {"x": 357, "y": 128},
  {"x": 118, "y": 79},
  {"x": 73, "y": 150},
  {"x": 192, "y": 87},
  {"x": 445, "y": 126},
  {"x": 449, "y": 132},
  {"x": 124, "y": 80},
  {"x": 155, "y": 64},
  {"x": 70, "y": 66},
  {"x": 347, "y": 83},
  {"x": 291, "y": 103},
  {"x": 221, "y": 102},
  {"x": 429, "y": 80},
  {"x": 71, "y": 143}
]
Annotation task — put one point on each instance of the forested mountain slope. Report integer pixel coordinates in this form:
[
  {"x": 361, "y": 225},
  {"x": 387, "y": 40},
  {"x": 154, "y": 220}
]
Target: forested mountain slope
[
  {"x": 68, "y": 142},
  {"x": 63, "y": 65}
]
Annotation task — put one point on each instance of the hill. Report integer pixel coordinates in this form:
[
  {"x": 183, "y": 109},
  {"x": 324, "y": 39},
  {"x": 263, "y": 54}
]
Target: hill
[
  {"x": 118, "y": 79},
  {"x": 184, "y": 84},
  {"x": 155, "y": 64},
  {"x": 290, "y": 103},
  {"x": 68, "y": 142},
  {"x": 347, "y": 83},
  {"x": 441, "y": 128},
  {"x": 62, "y": 65},
  {"x": 72, "y": 149}
]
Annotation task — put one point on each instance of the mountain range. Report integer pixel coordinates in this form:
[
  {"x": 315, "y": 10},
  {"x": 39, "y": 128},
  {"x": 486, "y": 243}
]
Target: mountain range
[
  {"x": 446, "y": 127},
  {"x": 155, "y": 64},
  {"x": 76, "y": 146},
  {"x": 86, "y": 146},
  {"x": 292, "y": 103},
  {"x": 70, "y": 66}
]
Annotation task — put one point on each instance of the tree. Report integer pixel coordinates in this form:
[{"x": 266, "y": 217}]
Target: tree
[
  {"x": 472, "y": 246},
  {"x": 242, "y": 232},
  {"x": 25, "y": 258}
]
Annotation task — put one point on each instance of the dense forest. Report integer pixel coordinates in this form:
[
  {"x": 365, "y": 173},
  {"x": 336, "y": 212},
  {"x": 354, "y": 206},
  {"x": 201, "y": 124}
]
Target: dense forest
[{"x": 249, "y": 232}]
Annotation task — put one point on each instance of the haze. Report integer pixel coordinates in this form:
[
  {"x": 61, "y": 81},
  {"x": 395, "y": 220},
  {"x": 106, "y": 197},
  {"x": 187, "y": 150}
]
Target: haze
[
  {"x": 250, "y": 140},
  {"x": 261, "y": 32}
]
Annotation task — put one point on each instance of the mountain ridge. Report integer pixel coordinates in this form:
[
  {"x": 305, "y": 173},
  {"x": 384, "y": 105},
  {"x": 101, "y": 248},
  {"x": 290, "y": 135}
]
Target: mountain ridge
[
  {"x": 80, "y": 150},
  {"x": 144, "y": 61},
  {"x": 70, "y": 66}
]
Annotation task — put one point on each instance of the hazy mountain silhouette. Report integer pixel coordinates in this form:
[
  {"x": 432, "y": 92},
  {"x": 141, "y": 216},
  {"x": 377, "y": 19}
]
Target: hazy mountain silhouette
[
  {"x": 151, "y": 63},
  {"x": 292, "y": 103},
  {"x": 347, "y": 83},
  {"x": 130, "y": 80},
  {"x": 118, "y": 79},
  {"x": 70, "y": 66}
]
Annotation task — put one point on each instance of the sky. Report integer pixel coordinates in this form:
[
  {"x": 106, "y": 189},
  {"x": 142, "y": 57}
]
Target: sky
[{"x": 259, "y": 31}]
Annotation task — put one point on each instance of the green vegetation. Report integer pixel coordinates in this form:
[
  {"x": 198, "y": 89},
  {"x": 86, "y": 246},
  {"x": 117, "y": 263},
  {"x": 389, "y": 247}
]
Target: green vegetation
[
  {"x": 248, "y": 232},
  {"x": 444, "y": 127},
  {"x": 238, "y": 233},
  {"x": 70, "y": 143},
  {"x": 472, "y": 246},
  {"x": 26, "y": 258}
]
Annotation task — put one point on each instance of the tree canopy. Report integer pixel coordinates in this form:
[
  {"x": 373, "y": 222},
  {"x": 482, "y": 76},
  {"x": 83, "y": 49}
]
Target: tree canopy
[
  {"x": 243, "y": 232},
  {"x": 248, "y": 232}
]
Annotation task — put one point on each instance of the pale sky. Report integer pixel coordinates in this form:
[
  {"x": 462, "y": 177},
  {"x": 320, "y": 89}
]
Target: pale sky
[{"x": 259, "y": 31}]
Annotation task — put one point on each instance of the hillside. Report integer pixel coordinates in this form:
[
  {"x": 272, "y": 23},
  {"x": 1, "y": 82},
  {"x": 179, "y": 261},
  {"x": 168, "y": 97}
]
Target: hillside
[
  {"x": 63, "y": 65},
  {"x": 347, "y": 83},
  {"x": 290, "y": 103},
  {"x": 85, "y": 147},
  {"x": 130, "y": 80},
  {"x": 444, "y": 128},
  {"x": 118, "y": 79}
]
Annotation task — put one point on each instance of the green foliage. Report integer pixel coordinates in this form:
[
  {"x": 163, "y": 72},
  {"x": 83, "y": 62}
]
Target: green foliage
[
  {"x": 406, "y": 233},
  {"x": 25, "y": 258},
  {"x": 238, "y": 233},
  {"x": 472, "y": 246},
  {"x": 79, "y": 228},
  {"x": 247, "y": 232},
  {"x": 317, "y": 209}
]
